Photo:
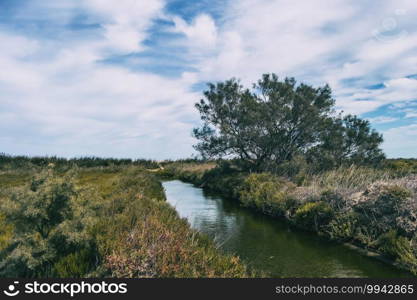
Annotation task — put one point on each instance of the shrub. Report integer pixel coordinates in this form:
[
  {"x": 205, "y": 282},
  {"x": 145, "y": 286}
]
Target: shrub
[
  {"x": 75, "y": 265},
  {"x": 186, "y": 171},
  {"x": 296, "y": 169},
  {"x": 342, "y": 227},
  {"x": 267, "y": 193},
  {"x": 397, "y": 247},
  {"x": 45, "y": 223},
  {"x": 313, "y": 215},
  {"x": 226, "y": 181},
  {"x": 401, "y": 167},
  {"x": 387, "y": 207},
  {"x": 6, "y": 233}
]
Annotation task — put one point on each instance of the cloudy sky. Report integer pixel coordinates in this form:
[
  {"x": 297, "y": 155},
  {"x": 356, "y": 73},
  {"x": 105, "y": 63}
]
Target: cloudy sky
[{"x": 120, "y": 78}]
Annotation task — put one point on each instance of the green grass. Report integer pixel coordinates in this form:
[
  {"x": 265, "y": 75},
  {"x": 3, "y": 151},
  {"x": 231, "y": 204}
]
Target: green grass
[{"x": 10, "y": 179}]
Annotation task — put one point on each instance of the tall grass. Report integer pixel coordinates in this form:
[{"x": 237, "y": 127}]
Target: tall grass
[{"x": 354, "y": 178}]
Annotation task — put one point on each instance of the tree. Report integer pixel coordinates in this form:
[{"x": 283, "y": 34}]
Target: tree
[
  {"x": 347, "y": 140},
  {"x": 276, "y": 121}
]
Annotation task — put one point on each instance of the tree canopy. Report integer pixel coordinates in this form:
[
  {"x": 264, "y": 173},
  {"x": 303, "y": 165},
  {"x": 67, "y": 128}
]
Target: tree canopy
[{"x": 278, "y": 120}]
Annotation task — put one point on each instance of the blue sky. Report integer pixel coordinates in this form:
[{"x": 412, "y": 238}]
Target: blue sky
[{"x": 120, "y": 78}]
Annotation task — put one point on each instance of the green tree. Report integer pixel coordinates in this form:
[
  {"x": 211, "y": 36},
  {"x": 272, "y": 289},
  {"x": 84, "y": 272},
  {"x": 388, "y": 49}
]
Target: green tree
[
  {"x": 277, "y": 121},
  {"x": 270, "y": 124},
  {"x": 347, "y": 140}
]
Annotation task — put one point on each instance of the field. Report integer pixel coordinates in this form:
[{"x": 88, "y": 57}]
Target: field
[{"x": 97, "y": 218}]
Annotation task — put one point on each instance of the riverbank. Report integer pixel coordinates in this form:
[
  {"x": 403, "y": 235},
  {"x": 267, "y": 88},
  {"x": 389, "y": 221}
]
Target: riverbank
[
  {"x": 362, "y": 207},
  {"x": 110, "y": 221}
]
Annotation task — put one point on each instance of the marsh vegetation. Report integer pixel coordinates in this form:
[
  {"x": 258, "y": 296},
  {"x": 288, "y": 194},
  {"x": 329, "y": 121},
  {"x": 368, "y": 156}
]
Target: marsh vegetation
[{"x": 66, "y": 220}]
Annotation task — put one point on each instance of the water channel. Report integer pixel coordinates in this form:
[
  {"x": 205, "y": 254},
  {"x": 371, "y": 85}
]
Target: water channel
[{"x": 269, "y": 244}]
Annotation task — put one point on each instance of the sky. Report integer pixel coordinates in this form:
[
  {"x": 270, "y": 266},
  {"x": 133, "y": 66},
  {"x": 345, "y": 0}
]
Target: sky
[{"x": 120, "y": 78}]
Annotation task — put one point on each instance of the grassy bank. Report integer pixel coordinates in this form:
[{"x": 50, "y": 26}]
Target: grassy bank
[
  {"x": 375, "y": 209},
  {"x": 103, "y": 221}
]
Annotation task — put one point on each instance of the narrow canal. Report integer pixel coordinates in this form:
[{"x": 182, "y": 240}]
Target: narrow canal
[{"x": 268, "y": 244}]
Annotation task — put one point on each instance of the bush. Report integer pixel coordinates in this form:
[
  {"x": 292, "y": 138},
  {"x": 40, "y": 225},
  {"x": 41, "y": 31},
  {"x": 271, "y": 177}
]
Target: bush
[
  {"x": 397, "y": 247},
  {"x": 224, "y": 180},
  {"x": 313, "y": 215},
  {"x": 387, "y": 207},
  {"x": 267, "y": 193},
  {"x": 76, "y": 265},
  {"x": 342, "y": 227},
  {"x": 6, "y": 233},
  {"x": 46, "y": 226},
  {"x": 297, "y": 169},
  {"x": 401, "y": 167}
]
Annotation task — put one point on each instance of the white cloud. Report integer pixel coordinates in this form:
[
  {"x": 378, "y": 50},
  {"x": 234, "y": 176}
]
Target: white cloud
[
  {"x": 396, "y": 90},
  {"x": 59, "y": 99},
  {"x": 401, "y": 141},
  {"x": 13, "y": 72},
  {"x": 318, "y": 41},
  {"x": 411, "y": 114},
  {"x": 272, "y": 36},
  {"x": 201, "y": 33},
  {"x": 125, "y": 22},
  {"x": 382, "y": 120}
]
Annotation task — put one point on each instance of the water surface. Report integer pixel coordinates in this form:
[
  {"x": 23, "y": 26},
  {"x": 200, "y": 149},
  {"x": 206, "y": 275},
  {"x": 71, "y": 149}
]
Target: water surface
[{"x": 269, "y": 244}]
